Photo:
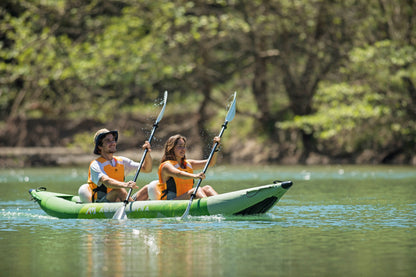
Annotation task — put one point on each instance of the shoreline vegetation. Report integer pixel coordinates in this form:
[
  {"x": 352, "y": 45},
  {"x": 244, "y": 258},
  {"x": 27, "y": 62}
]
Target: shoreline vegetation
[
  {"x": 21, "y": 157},
  {"x": 63, "y": 142},
  {"x": 317, "y": 82}
]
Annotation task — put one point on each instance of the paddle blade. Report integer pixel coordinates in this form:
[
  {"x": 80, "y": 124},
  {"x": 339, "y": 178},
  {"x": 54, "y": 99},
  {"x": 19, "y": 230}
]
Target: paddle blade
[
  {"x": 231, "y": 109},
  {"x": 186, "y": 213},
  {"x": 165, "y": 99},
  {"x": 120, "y": 213}
]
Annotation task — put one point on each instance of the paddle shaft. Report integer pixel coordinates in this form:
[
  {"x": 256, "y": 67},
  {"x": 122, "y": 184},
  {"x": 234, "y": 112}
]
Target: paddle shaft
[
  {"x": 228, "y": 118},
  {"x": 120, "y": 212},
  {"x": 141, "y": 162},
  {"x": 224, "y": 126},
  {"x": 155, "y": 125}
]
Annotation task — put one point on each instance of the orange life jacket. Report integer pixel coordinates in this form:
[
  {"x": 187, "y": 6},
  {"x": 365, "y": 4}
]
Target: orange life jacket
[
  {"x": 115, "y": 172},
  {"x": 173, "y": 184}
]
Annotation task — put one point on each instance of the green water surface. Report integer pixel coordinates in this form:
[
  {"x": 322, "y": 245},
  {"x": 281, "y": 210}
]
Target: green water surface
[{"x": 334, "y": 221}]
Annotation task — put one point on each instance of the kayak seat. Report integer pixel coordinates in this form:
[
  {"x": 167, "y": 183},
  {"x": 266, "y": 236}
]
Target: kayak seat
[
  {"x": 152, "y": 191},
  {"x": 85, "y": 193}
]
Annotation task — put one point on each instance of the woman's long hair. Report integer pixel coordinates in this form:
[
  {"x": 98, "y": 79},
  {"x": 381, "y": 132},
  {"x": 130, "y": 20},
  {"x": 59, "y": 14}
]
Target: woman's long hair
[{"x": 169, "y": 153}]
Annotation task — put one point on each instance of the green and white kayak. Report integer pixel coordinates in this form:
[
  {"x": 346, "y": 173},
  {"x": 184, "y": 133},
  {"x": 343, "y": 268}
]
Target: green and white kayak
[{"x": 250, "y": 201}]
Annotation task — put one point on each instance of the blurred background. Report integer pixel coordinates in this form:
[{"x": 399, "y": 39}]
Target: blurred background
[{"x": 318, "y": 82}]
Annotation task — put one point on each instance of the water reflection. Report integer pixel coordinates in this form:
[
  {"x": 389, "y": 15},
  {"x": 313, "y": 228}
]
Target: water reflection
[{"x": 339, "y": 220}]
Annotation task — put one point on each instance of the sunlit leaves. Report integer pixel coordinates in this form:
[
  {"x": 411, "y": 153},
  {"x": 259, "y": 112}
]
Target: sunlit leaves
[
  {"x": 373, "y": 108},
  {"x": 340, "y": 108},
  {"x": 345, "y": 61}
]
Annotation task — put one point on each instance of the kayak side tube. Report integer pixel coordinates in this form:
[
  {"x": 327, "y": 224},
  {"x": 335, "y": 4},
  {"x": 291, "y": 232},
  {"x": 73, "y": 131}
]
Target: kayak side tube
[
  {"x": 56, "y": 204},
  {"x": 256, "y": 200}
]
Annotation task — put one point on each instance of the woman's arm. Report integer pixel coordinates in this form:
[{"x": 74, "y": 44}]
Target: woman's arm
[
  {"x": 200, "y": 164},
  {"x": 168, "y": 170}
]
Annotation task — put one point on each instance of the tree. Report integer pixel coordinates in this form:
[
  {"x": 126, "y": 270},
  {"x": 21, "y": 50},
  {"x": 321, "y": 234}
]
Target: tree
[{"x": 368, "y": 104}]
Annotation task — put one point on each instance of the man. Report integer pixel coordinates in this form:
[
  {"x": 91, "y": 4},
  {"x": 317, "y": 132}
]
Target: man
[{"x": 106, "y": 176}]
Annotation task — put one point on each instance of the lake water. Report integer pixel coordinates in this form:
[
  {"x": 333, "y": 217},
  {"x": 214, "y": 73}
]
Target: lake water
[{"x": 334, "y": 221}]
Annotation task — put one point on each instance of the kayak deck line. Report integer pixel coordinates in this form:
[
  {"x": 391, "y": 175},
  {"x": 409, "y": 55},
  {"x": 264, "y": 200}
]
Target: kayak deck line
[{"x": 255, "y": 200}]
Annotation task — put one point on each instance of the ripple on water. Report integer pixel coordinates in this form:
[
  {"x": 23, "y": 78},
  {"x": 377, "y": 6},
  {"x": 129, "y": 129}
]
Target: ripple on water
[{"x": 349, "y": 216}]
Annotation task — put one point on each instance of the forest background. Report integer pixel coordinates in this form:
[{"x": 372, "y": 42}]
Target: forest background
[{"x": 317, "y": 81}]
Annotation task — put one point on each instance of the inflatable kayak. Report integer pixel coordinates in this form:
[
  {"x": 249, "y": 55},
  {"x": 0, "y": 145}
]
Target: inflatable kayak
[{"x": 250, "y": 201}]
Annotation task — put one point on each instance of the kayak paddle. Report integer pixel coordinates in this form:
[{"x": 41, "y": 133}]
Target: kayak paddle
[
  {"x": 228, "y": 118},
  {"x": 121, "y": 212}
]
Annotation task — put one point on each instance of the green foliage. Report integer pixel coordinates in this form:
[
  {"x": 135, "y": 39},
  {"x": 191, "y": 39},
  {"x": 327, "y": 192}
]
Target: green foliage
[
  {"x": 371, "y": 110},
  {"x": 338, "y": 70},
  {"x": 342, "y": 110},
  {"x": 83, "y": 141}
]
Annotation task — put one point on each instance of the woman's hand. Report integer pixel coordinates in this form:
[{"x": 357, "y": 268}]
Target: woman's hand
[{"x": 200, "y": 175}]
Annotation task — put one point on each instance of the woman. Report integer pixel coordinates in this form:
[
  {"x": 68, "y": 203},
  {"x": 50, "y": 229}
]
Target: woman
[{"x": 176, "y": 173}]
